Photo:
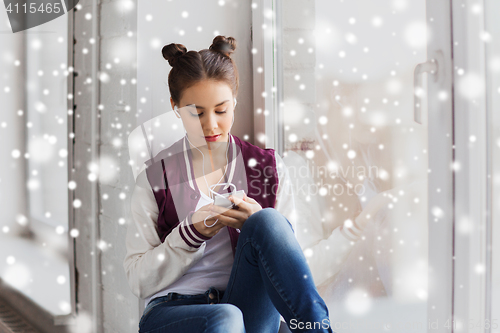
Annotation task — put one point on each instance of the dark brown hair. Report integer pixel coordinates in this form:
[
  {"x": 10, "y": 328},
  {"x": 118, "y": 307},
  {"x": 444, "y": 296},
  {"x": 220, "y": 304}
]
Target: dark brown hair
[{"x": 189, "y": 68}]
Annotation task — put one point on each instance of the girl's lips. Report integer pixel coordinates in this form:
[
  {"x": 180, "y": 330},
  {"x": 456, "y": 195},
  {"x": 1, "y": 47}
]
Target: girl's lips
[{"x": 212, "y": 138}]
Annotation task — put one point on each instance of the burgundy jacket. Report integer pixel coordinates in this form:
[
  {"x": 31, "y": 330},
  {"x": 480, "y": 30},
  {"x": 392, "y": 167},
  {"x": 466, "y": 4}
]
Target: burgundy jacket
[{"x": 177, "y": 194}]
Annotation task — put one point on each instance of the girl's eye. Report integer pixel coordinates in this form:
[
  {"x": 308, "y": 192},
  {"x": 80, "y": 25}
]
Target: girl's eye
[{"x": 200, "y": 114}]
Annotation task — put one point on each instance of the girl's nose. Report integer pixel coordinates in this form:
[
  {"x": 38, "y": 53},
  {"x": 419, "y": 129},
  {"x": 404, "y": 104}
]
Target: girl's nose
[{"x": 211, "y": 122}]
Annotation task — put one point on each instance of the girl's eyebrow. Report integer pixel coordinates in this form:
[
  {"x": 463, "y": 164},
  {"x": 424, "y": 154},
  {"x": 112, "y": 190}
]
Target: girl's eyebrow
[{"x": 203, "y": 108}]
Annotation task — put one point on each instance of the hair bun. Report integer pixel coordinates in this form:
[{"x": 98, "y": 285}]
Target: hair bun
[
  {"x": 172, "y": 52},
  {"x": 224, "y": 45}
]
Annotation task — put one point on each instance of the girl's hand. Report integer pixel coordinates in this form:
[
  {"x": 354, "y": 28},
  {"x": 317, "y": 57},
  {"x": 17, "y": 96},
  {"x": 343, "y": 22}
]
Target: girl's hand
[
  {"x": 236, "y": 217},
  {"x": 198, "y": 218}
]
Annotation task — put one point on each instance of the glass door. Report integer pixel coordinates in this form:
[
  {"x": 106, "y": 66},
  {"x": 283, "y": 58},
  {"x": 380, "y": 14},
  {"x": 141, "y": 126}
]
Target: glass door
[{"x": 368, "y": 147}]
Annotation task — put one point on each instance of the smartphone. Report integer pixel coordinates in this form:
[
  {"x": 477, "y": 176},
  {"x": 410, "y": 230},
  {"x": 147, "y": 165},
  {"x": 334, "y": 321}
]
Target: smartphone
[{"x": 226, "y": 203}]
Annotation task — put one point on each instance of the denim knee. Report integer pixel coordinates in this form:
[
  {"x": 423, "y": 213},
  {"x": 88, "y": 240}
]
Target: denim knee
[
  {"x": 266, "y": 220},
  {"x": 228, "y": 318}
]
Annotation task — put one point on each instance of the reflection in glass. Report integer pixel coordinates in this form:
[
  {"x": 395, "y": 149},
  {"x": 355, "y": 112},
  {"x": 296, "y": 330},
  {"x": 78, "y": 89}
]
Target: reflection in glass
[{"x": 359, "y": 159}]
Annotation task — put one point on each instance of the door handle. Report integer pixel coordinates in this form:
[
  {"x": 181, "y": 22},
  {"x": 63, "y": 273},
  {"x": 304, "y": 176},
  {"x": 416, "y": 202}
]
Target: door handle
[{"x": 430, "y": 66}]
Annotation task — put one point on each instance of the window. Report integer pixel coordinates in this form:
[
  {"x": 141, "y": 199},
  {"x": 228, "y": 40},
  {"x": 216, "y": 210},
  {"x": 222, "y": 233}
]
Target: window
[
  {"x": 342, "y": 83},
  {"x": 372, "y": 105},
  {"x": 35, "y": 233}
]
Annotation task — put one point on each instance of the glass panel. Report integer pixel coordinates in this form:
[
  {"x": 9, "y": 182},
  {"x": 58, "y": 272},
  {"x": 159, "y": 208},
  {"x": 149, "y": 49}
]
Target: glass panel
[
  {"x": 357, "y": 157},
  {"x": 493, "y": 103},
  {"x": 35, "y": 111},
  {"x": 47, "y": 178},
  {"x": 47, "y": 125}
]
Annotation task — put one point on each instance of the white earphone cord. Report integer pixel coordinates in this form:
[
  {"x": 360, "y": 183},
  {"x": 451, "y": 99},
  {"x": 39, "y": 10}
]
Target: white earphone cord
[
  {"x": 210, "y": 187},
  {"x": 218, "y": 183}
]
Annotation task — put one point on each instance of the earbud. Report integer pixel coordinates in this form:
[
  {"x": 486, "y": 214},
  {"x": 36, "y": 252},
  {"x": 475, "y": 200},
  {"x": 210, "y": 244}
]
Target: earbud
[
  {"x": 175, "y": 110},
  {"x": 235, "y": 102}
]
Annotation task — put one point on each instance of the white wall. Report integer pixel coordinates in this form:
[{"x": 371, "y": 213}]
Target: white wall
[{"x": 193, "y": 24}]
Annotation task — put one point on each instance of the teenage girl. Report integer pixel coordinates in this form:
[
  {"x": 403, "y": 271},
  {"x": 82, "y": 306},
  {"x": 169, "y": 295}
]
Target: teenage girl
[{"x": 206, "y": 268}]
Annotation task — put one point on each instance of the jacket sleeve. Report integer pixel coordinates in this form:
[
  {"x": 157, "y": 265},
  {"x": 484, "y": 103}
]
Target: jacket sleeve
[
  {"x": 151, "y": 265},
  {"x": 285, "y": 202}
]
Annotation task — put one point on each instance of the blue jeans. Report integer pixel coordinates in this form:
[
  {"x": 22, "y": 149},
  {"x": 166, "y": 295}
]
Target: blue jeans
[{"x": 269, "y": 277}]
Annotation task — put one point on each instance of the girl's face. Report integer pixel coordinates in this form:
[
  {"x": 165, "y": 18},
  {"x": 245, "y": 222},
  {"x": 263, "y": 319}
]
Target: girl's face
[{"x": 207, "y": 110}]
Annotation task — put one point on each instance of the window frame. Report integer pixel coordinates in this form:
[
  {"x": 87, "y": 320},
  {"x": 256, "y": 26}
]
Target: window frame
[
  {"x": 267, "y": 58},
  {"x": 472, "y": 292},
  {"x": 36, "y": 229}
]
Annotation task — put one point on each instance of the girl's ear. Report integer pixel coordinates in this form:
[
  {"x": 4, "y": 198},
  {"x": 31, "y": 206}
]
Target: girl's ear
[{"x": 174, "y": 107}]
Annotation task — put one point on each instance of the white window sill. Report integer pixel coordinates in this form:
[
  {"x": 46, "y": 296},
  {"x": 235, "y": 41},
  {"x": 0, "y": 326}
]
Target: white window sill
[{"x": 36, "y": 272}]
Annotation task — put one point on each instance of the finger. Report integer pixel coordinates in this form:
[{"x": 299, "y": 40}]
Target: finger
[
  {"x": 239, "y": 202},
  {"x": 218, "y": 225},
  {"x": 215, "y": 216},
  {"x": 205, "y": 213},
  {"x": 211, "y": 222},
  {"x": 201, "y": 217},
  {"x": 218, "y": 209},
  {"x": 248, "y": 199},
  {"x": 234, "y": 199},
  {"x": 233, "y": 213},
  {"x": 230, "y": 221}
]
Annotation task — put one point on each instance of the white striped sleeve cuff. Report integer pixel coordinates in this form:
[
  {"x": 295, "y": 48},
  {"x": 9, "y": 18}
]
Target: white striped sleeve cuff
[{"x": 189, "y": 234}]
